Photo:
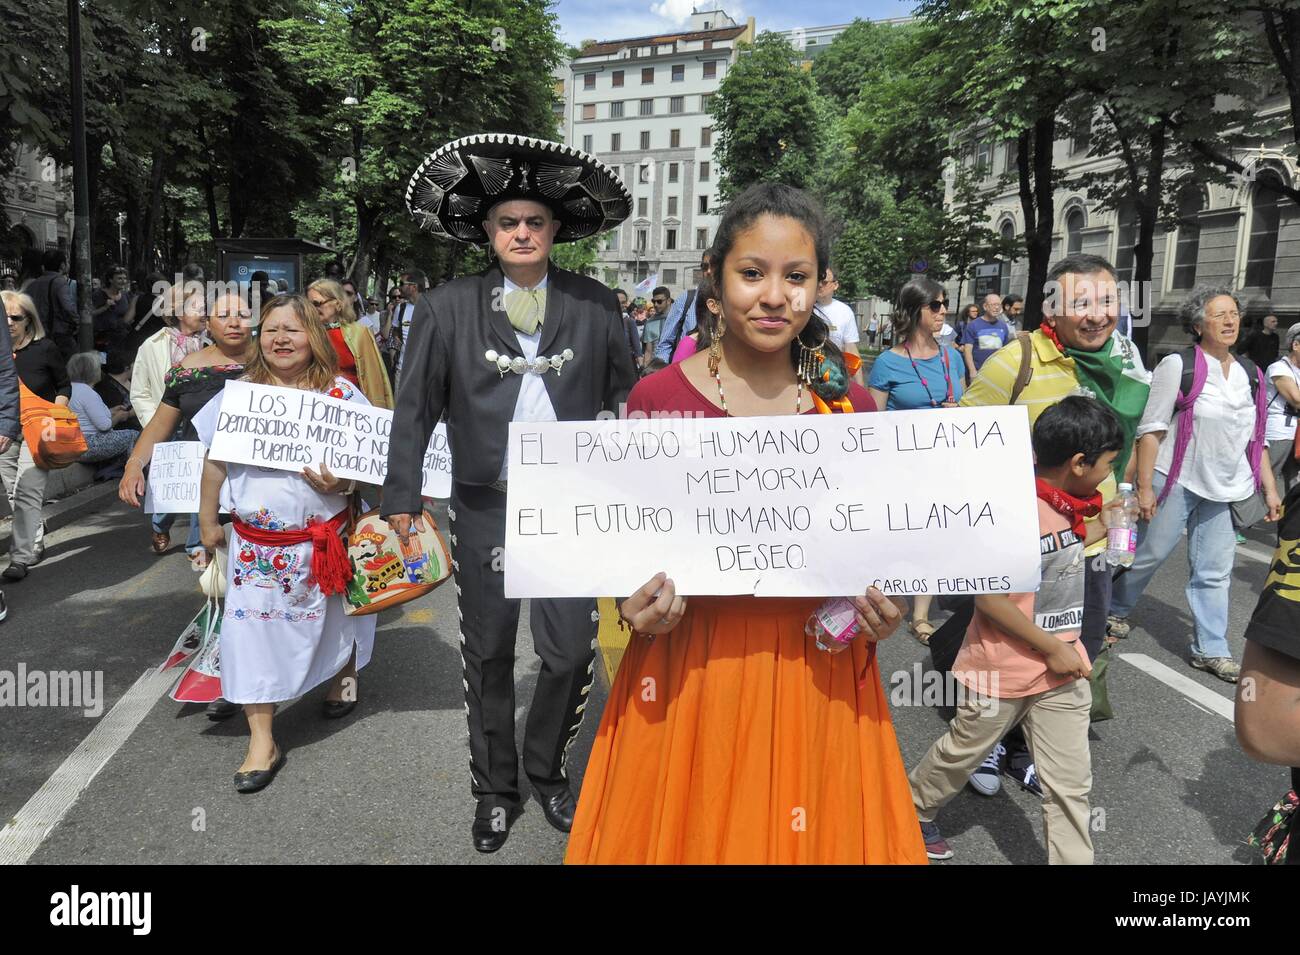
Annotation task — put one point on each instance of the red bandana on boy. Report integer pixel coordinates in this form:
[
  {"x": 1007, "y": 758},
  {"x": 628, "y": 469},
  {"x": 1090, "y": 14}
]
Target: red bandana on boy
[{"x": 1071, "y": 507}]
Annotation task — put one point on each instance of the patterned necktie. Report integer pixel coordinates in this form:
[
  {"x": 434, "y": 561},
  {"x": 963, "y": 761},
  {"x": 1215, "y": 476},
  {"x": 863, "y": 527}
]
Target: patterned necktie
[{"x": 526, "y": 308}]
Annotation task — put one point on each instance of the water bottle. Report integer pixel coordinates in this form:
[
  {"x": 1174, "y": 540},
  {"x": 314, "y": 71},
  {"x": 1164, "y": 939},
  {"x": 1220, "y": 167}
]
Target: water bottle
[
  {"x": 833, "y": 625},
  {"x": 1121, "y": 534}
]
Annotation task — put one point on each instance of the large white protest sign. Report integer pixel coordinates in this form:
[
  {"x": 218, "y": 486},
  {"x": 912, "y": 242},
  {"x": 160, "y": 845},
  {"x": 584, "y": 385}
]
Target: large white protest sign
[
  {"x": 175, "y": 471},
  {"x": 936, "y": 502},
  {"x": 288, "y": 430}
]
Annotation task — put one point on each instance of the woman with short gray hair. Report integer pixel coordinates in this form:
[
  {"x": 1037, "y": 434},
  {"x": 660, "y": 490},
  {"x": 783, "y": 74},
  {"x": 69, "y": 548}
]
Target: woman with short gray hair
[
  {"x": 96, "y": 420},
  {"x": 1206, "y": 398}
]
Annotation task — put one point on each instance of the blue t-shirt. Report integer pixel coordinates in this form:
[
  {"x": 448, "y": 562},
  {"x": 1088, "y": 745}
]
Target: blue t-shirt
[
  {"x": 987, "y": 337},
  {"x": 893, "y": 374}
]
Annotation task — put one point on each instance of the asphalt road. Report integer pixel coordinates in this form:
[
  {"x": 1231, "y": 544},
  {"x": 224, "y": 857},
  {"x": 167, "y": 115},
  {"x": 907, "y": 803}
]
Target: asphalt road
[{"x": 391, "y": 782}]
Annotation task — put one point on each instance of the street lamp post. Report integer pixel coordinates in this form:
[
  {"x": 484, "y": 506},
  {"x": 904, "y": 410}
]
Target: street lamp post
[{"x": 121, "y": 239}]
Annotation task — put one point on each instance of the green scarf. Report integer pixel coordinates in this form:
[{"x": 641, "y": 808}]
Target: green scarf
[{"x": 1112, "y": 376}]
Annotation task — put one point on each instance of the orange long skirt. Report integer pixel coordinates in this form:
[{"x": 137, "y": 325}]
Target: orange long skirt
[{"x": 735, "y": 740}]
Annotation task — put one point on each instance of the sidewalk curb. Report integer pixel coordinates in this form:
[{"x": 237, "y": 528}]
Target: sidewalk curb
[{"x": 61, "y": 513}]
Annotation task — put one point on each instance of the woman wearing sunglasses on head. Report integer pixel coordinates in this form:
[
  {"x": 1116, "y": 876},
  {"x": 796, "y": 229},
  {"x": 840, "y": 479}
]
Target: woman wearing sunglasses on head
[{"x": 918, "y": 373}]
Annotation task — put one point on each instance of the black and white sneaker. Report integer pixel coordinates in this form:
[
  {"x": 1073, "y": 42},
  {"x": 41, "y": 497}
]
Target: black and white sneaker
[
  {"x": 4, "y": 608},
  {"x": 985, "y": 780},
  {"x": 1027, "y": 777}
]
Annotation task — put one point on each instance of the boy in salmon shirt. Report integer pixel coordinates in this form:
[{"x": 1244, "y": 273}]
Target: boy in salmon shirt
[{"x": 1024, "y": 649}]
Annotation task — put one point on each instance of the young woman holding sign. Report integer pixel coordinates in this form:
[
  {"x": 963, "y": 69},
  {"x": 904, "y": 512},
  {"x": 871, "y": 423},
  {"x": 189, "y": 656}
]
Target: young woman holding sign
[
  {"x": 284, "y": 630},
  {"x": 729, "y": 736}
]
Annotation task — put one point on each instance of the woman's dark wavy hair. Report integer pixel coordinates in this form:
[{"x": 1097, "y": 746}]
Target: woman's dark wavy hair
[
  {"x": 914, "y": 299},
  {"x": 782, "y": 201}
]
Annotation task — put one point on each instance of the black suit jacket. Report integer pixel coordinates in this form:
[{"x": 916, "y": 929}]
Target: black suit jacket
[{"x": 445, "y": 369}]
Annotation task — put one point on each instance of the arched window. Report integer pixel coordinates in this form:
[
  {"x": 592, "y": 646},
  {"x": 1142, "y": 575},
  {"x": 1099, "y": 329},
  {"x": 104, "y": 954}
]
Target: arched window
[
  {"x": 1074, "y": 231},
  {"x": 1008, "y": 233},
  {"x": 1190, "y": 204},
  {"x": 1126, "y": 239},
  {"x": 1261, "y": 251}
]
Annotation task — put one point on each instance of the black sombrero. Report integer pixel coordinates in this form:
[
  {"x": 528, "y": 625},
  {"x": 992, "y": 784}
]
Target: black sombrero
[{"x": 452, "y": 190}]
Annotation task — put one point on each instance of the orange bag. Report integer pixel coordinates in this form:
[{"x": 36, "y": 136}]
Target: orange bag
[{"x": 50, "y": 430}]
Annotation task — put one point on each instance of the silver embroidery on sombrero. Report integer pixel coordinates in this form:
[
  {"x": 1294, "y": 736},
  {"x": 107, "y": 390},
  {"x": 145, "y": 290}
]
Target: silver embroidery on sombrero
[
  {"x": 493, "y": 173},
  {"x": 602, "y": 186},
  {"x": 555, "y": 181},
  {"x": 446, "y": 170},
  {"x": 430, "y": 221},
  {"x": 464, "y": 230},
  {"x": 462, "y": 205},
  {"x": 583, "y": 207},
  {"x": 427, "y": 195}
]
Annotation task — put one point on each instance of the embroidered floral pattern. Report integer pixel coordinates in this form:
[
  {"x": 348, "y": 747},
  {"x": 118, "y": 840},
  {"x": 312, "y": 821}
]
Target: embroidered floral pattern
[
  {"x": 268, "y": 567},
  {"x": 342, "y": 389},
  {"x": 275, "y": 613},
  {"x": 178, "y": 376}
]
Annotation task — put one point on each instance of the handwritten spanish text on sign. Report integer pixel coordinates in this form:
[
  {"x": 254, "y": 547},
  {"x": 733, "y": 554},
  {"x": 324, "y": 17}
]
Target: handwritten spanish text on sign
[
  {"x": 175, "y": 470},
  {"x": 935, "y": 502},
  {"x": 288, "y": 430}
]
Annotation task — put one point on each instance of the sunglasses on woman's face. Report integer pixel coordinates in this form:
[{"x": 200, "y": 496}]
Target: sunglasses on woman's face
[{"x": 938, "y": 305}]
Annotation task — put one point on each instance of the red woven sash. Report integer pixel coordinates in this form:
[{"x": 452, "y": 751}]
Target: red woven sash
[{"x": 329, "y": 558}]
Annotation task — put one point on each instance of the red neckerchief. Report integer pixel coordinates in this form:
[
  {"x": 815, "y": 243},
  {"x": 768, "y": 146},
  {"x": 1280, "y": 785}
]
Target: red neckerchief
[
  {"x": 1075, "y": 509},
  {"x": 1050, "y": 332}
]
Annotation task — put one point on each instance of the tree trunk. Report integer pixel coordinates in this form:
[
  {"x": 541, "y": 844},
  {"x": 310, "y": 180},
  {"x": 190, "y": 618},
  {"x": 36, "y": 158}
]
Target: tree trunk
[
  {"x": 1038, "y": 208},
  {"x": 209, "y": 187},
  {"x": 153, "y": 202},
  {"x": 1140, "y": 296},
  {"x": 367, "y": 238}
]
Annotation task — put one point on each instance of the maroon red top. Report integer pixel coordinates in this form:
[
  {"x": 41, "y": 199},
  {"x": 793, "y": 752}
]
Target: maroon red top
[{"x": 669, "y": 390}]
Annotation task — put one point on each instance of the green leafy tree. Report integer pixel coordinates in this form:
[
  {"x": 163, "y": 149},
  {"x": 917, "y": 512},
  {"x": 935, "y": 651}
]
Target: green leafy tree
[
  {"x": 400, "y": 77},
  {"x": 766, "y": 115}
]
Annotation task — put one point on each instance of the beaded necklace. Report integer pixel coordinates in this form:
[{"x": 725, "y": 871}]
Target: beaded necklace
[{"x": 717, "y": 376}]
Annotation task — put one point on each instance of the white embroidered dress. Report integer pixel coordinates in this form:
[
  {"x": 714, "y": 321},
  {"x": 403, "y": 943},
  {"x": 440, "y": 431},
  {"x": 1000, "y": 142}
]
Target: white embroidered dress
[{"x": 280, "y": 636}]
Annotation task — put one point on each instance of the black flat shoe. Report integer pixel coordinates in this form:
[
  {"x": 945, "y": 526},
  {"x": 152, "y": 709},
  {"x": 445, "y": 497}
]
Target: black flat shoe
[
  {"x": 221, "y": 709},
  {"x": 559, "y": 809},
  {"x": 258, "y": 779},
  {"x": 15, "y": 572},
  {"x": 337, "y": 709},
  {"x": 490, "y": 832}
]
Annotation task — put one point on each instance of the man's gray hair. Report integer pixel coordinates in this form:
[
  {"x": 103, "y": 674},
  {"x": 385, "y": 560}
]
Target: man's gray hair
[
  {"x": 1292, "y": 336},
  {"x": 1192, "y": 312},
  {"x": 84, "y": 367}
]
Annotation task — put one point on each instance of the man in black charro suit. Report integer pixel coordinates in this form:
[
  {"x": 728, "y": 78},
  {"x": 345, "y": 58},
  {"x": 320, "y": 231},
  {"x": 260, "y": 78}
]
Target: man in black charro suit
[{"x": 524, "y": 341}]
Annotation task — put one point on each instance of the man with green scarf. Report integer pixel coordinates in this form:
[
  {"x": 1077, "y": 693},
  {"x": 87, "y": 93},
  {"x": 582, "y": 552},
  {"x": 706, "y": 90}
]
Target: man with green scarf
[{"x": 1075, "y": 350}]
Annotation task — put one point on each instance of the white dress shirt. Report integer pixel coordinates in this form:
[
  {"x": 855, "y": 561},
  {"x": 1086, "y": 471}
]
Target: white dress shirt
[
  {"x": 1215, "y": 466},
  {"x": 533, "y": 403}
]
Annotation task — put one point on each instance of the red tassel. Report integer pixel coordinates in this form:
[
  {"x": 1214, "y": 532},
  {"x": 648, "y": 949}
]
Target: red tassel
[{"x": 329, "y": 559}]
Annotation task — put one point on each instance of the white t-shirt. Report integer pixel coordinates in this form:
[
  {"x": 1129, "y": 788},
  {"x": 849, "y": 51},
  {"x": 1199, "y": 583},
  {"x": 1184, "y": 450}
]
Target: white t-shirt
[
  {"x": 843, "y": 323},
  {"x": 1280, "y": 427},
  {"x": 371, "y": 322},
  {"x": 533, "y": 403},
  {"x": 1215, "y": 466}
]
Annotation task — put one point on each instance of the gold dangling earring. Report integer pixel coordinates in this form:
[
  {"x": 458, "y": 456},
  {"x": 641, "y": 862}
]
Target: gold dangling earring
[
  {"x": 715, "y": 346},
  {"x": 810, "y": 361}
]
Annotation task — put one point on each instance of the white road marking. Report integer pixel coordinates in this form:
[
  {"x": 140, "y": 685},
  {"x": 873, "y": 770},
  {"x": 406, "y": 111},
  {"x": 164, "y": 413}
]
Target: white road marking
[
  {"x": 47, "y": 807},
  {"x": 1255, "y": 552},
  {"x": 1182, "y": 683}
]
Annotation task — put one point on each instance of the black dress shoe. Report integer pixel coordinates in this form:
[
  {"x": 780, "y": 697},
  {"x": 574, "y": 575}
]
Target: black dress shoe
[
  {"x": 491, "y": 831},
  {"x": 337, "y": 709},
  {"x": 15, "y": 572},
  {"x": 222, "y": 709},
  {"x": 559, "y": 809},
  {"x": 258, "y": 779}
]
